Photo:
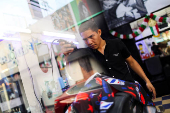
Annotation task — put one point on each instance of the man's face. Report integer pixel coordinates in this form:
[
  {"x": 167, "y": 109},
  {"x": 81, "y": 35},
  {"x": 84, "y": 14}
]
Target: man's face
[{"x": 92, "y": 38}]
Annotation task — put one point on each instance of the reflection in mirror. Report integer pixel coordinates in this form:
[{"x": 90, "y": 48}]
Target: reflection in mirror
[
  {"x": 64, "y": 79},
  {"x": 43, "y": 57},
  {"x": 12, "y": 93}
]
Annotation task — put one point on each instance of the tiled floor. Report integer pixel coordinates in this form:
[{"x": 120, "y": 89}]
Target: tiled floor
[{"x": 163, "y": 101}]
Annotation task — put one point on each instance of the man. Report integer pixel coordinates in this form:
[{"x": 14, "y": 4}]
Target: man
[
  {"x": 156, "y": 49},
  {"x": 112, "y": 54}
]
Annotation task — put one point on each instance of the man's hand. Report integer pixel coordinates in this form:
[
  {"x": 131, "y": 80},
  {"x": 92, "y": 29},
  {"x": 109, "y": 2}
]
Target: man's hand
[
  {"x": 65, "y": 48},
  {"x": 137, "y": 68},
  {"x": 151, "y": 89}
]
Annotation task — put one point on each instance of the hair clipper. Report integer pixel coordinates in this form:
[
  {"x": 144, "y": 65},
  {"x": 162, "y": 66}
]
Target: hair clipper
[{"x": 66, "y": 42}]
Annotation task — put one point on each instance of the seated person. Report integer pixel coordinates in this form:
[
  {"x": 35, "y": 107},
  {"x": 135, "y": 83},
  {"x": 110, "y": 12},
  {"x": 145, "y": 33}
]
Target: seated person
[
  {"x": 156, "y": 49},
  {"x": 112, "y": 54},
  {"x": 102, "y": 100}
]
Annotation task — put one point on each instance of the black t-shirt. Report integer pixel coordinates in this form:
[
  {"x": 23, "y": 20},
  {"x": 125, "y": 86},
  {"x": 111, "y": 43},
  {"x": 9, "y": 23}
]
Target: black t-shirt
[
  {"x": 155, "y": 49},
  {"x": 113, "y": 60}
]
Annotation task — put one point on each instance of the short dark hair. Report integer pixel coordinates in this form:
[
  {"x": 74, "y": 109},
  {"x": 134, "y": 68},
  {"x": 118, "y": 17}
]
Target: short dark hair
[
  {"x": 88, "y": 25},
  {"x": 83, "y": 56},
  {"x": 153, "y": 43},
  {"x": 85, "y": 63}
]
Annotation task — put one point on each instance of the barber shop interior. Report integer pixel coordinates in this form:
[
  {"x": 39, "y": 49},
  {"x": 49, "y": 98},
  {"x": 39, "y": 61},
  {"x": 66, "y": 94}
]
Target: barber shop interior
[{"x": 84, "y": 56}]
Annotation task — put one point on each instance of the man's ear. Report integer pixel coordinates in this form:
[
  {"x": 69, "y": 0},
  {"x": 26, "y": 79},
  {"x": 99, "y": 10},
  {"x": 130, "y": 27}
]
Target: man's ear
[{"x": 99, "y": 32}]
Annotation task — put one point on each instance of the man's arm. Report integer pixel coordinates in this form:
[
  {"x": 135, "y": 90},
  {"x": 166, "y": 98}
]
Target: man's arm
[{"x": 137, "y": 68}]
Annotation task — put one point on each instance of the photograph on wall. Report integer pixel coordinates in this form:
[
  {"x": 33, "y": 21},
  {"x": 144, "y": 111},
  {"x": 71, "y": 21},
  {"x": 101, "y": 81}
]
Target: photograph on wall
[
  {"x": 80, "y": 9},
  {"x": 143, "y": 50},
  {"x": 120, "y": 12},
  {"x": 144, "y": 47},
  {"x": 62, "y": 19}
]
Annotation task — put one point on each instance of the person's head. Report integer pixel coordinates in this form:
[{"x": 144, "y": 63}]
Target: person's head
[
  {"x": 91, "y": 34},
  {"x": 82, "y": 64},
  {"x": 140, "y": 46},
  {"x": 153, "y": 43}
]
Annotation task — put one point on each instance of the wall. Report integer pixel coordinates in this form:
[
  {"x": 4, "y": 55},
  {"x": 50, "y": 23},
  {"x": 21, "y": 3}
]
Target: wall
[{"x": 39, "y": 77}]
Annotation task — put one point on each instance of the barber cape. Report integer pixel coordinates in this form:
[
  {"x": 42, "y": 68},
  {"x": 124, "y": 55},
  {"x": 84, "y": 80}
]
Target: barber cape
[{"x": 100, "y": 101}]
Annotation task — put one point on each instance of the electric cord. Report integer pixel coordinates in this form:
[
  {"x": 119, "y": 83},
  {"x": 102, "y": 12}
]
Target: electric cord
[
  {"x": 52, "y": 64},
  {"x": 34, "y": 89},
  {"x": 33, "y": 84}
]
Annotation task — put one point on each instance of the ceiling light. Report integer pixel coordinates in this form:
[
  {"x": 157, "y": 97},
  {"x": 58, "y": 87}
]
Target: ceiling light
[
  {"x": 7, "y": 38},
  {"x": 63, "y": 35},
  {"x": 56, "y": 42},
  {"x": 16, "y": 29}
]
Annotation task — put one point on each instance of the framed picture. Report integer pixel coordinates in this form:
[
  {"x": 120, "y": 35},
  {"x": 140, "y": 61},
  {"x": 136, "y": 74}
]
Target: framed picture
[
  {"x": 62, "y": 19},
  {"x": 120, "y": 12}
]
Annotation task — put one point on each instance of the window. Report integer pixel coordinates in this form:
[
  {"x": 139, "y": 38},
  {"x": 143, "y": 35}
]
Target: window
[
  {"x": 91, "y": 86},
  {"x": 80, "y": 87},
  {"x": 75, "y": 89}
]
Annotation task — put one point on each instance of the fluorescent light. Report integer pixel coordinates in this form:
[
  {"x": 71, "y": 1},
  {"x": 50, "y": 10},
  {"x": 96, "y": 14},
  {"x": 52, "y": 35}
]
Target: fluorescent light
[
  {"x": 58, "y": 42},
  {"x": 7, "y": 38},
  {"x": 16, "y": 29},
  {"x": 64, "y": 35},
  {"x": 5, "y": 70}
]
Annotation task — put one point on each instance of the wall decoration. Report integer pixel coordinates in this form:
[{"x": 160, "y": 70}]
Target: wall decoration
[
  {"x": 142, "y": 27},
  {"x": 143, "y": 50},
  {"x": 154, "y": 27},
  {"x": 62, "y": 19},
  {"x": 7, "y": 55},
  {"x": 60, "y": 60},
  {"x": 33, "y": 41},
  {"x": 80, "y": 9},
  {"x": 120, "y": 12}
]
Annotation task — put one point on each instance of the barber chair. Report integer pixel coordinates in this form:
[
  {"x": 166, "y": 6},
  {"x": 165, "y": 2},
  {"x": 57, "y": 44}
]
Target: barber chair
[
  {"x": 158, "y": 76},
  {"x": 123, "y": 102}
]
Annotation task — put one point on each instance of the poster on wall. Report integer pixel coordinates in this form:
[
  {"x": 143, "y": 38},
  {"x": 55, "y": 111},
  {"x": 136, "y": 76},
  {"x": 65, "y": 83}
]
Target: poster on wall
[
  {"x": 62, "y": 19},
  {"x": 143, "y": 50},
  {"x": 148, "y": 43},
  {"x": 83, "y": 9},
  {"x": 80, "y": 9},
  {"x": 154, "y": 5},
  {"x": 144, "y": 47},
  {"x": 120, "y": 12}
]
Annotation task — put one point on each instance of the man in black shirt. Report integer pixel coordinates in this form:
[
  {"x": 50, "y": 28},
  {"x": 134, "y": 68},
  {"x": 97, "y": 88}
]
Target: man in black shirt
[
  {"x": 113, "y": 59},
  {"x": 112, "y": 54},
  {"x": 156, "y": 49}
]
